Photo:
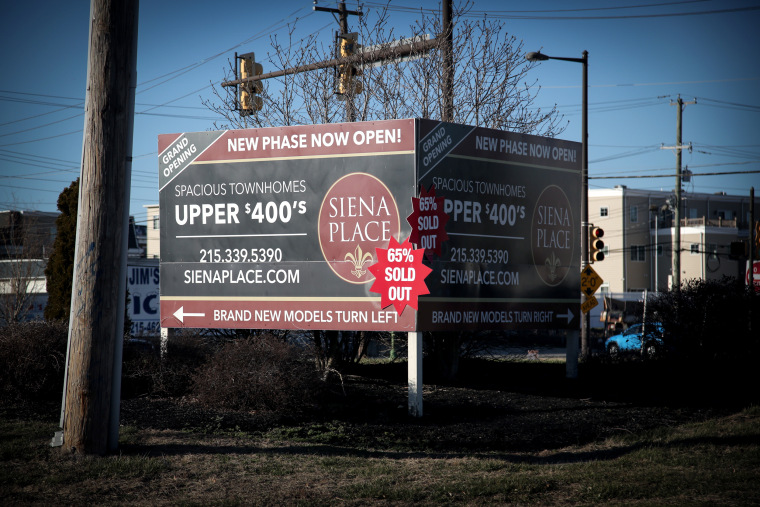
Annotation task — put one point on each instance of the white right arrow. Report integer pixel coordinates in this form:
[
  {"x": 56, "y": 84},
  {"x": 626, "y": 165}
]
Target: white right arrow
[
  {"x": 569, "y": 315},
  {"x": 180, "y": 314}
]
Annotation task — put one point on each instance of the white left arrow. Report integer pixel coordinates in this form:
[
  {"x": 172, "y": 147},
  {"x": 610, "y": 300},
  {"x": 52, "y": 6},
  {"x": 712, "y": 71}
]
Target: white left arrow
[
  {"x": 569, "y": 315},
  {"x": 181, "y": 314}
]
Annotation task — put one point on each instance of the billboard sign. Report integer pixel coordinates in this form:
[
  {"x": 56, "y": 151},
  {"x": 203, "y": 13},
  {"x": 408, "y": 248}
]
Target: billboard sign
[
  {"x": 277, "y": 228},
  {"x": 512, "y": 256}
]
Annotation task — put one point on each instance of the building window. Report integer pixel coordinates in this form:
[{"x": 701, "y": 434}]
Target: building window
[
  {"x": 634, "y": 214},
  {"x": 606, "y": 251},
  {"x": 603, "y": 212},
  {"x": 155, "y": 222},
  {"x": 604, "y": 288},
  {"x": 659, "y": 250},
  {"x": 695, "y": 249},
  {"x": 638, "y": 253},
  {"x": 712, "y": 250}
]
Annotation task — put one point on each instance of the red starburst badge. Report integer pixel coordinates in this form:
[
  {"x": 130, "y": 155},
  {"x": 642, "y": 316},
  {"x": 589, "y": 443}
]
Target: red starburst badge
[
  {"x": 428, "y": 221},
  {"x": 399, "y": 275}
]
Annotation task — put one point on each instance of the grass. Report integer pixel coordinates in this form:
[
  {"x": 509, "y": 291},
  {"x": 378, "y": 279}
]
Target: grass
[{"x": 716, "y": 461}]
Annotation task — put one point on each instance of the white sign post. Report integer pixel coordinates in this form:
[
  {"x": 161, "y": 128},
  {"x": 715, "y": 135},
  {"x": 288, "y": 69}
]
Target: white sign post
[{"x": 414, "y": 373}]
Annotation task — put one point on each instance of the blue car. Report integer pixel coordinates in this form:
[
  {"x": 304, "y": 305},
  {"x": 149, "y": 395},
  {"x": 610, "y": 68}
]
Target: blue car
[{"x": 631, "y": 341}]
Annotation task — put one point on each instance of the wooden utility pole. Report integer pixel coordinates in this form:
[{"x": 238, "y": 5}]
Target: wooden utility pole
[
  {"x": 751, "y": 238},
  {"x": 93, "y": 371},
  {"x": 343, "y": 22},
  {"x": 447, "y": 83},
  {"x": 677, "y": 215}
]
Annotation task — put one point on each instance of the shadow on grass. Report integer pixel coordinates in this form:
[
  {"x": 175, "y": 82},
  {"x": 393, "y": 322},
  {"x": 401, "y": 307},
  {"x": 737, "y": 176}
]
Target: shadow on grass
[{"x": 326, "y": 451}]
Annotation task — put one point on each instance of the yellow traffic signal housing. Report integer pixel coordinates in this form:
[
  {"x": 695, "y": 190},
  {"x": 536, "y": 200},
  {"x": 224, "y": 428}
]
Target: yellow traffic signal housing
[
  {"x": 596, "y": 245},
  {"x": 250, "y": 101},
  {"x": 347, "y": 82},
  {"x": 348, "y": 44}
]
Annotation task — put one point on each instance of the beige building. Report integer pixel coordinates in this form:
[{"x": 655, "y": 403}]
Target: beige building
[
  {"x": 639, "y": 233},
  {"x": 153, "y": 247}
]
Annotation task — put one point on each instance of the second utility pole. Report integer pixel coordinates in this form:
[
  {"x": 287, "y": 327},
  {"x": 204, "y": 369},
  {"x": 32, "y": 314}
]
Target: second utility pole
[
  {"x": 343, "y": 22},
  {"x": 447, "y": 85},
  {"x": 677, "y": 216}
]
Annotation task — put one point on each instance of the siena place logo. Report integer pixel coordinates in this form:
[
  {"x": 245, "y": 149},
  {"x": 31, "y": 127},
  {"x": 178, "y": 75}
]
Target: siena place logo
[
  {"x": 553, "y": 235},
  {"x": 358, "y": 215}
]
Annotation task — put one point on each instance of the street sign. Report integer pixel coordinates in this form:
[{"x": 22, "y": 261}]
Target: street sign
[
  {"x": 590, "y": 303},
  {"x": 590, "y": 281}
]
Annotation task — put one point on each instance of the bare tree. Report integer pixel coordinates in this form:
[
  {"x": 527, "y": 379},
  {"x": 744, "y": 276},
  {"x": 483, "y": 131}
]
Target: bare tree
[
  {"x": 23, "y": 238},
  {"x": 492, "y": 86}
]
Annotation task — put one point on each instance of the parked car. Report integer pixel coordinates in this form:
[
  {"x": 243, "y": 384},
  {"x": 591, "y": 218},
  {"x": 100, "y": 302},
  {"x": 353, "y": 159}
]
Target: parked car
[{"x": 630, "y": 341}]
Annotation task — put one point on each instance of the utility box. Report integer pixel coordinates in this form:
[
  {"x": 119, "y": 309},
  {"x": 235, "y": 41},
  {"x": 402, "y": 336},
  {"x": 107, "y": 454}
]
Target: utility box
[{"x": 276, "y": 228}]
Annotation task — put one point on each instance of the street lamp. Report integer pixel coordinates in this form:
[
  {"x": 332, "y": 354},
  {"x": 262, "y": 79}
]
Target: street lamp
[{"x": 538, "y": 56}]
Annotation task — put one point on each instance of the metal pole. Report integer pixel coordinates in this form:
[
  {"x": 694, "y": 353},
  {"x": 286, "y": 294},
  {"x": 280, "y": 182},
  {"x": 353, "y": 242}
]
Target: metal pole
[
  {"x": 752, "y": 239},
  {"x": 586, "y": 319},
  {"x": 751, "y": 236},
  {"x": 653, "y": 208},
  {"x": 571, "y": 351},
  {"x": 373, "y": 56},
  {"x": 572, "y": 344}
]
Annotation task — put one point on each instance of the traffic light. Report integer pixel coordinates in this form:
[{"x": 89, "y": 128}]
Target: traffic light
[
  {"x": 596, "y": 245},
  {"x": 250, "y": 101},
  {"x": 347, "y": 72}
]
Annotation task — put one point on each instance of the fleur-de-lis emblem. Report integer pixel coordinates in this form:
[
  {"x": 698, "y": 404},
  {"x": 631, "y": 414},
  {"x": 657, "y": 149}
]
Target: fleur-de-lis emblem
[
  {"x": 358, "y": 259},
  {"x": 552, "y": 263}
]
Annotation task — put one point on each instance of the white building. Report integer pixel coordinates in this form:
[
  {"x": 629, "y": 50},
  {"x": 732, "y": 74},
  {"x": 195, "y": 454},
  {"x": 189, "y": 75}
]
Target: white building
[{"x": 639, "y": 234}]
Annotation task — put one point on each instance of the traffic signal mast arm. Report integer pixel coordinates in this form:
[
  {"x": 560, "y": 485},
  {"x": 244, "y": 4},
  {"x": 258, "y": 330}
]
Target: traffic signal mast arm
[{"x": 377, "y": 55}]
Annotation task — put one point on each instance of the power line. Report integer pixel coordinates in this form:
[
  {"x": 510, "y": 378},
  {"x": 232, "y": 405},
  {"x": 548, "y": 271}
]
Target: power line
[
  {"x": 621, "y": 16},
  {"x": 549, "y": 14},
  {"x": 693, "y": 174}
]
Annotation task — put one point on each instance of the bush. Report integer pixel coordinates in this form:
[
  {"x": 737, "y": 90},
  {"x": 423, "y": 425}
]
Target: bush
[
  {"x": 258, "y": 373},
  {"x": 144, "y": 373},
  {"x": 708, "y": 322},
  {"x": 32, "y": 359}
]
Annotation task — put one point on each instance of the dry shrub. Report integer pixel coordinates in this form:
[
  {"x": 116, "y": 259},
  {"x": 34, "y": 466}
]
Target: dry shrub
[
  {"x": 145, "y": 373},
  {"x": 140, "y": 367},
  {"x": 260, "y": 373},
  {"x": 32, "y": 359}
]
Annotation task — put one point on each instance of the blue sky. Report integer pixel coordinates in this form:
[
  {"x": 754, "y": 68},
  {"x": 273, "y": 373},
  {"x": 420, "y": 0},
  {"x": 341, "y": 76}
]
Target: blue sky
[{"x": 642, "y": 54}]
